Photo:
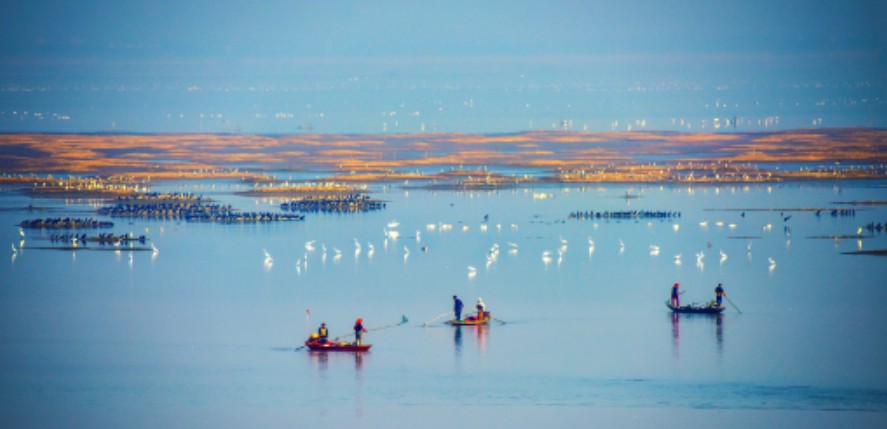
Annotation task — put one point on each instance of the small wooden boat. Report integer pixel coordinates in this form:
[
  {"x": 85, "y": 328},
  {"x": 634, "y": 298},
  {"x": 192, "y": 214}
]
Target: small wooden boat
[
  {"x": 472, "y": 320},
  {"x": 336, "y": 346},
  {"x": 709, "y": 308}
]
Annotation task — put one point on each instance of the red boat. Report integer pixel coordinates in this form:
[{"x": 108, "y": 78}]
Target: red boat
[
  {"x": 472, "y": 320},
  {"x": 332, "y": 346}
]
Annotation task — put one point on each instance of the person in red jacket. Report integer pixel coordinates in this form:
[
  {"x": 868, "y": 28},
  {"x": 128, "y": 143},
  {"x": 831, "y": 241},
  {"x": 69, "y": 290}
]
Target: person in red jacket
[
  {"x": 675, "y": 296},
  {"x": 358, "y": 331}
]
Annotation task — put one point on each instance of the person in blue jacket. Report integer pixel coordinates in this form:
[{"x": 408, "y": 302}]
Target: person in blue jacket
[
  {"x": 457, "y": 307},
  {"x": 719, "y": 295}
]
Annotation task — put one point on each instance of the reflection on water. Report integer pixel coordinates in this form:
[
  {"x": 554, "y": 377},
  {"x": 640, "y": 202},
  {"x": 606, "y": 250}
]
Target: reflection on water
[
  {"x": 479, "y": 332},
  {"x": 457, "y": 339},
  {"x": 358, "y": 363},
  {"x": 676, "y": 333},
  {"x": 320, "y": 360},
  {"x": 208, "y": 289},
  {"x": 695, "y": 321}
]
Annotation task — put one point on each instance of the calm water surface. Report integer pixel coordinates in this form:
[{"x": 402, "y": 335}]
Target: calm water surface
[{"x": 202, "y": 333}]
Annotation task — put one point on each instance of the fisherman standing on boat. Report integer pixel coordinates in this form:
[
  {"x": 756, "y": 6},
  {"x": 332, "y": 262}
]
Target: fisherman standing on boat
[
  {"x": 358, "y": 331},
  {"x": 675, "y": 296},
  {"x": 719, "y": 295},
  {"x": 457, "y": 307},
  {"x": 322, "y": 333}
]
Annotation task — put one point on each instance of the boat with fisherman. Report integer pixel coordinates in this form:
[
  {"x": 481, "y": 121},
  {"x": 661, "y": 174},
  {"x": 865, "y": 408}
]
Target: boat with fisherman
[
  {"x": 694, "y": 308},
  {"x": 472, "y": 320},
  {"x": 316, "y": 345}
]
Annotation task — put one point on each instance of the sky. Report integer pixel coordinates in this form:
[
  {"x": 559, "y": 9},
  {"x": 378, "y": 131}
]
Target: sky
[{"x": 341, "y": 66}]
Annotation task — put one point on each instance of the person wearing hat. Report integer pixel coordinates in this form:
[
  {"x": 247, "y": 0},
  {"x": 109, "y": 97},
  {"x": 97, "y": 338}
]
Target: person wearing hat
[
  {"x": 480, "y": 306},
  {"x": 719, "y": 295},
  {"x": 322, "y": 333},
  {"x": 457, "y": 307},
  {"x": 675, "y": 296},
  {"x": 358, "y": 331}
]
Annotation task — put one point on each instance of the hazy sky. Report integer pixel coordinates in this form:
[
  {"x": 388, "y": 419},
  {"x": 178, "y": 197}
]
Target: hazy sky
[{"x": 47, "y": 42}]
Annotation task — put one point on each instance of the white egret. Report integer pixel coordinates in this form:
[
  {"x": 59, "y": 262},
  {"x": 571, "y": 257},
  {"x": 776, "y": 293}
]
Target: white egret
[
  {"x": 546, "y": 257},
  {"x": 269, "y": 261}
]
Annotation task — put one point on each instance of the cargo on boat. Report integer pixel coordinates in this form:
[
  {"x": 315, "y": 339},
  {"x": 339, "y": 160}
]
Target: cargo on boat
[
  {"x": 335, "y": 346},
  {"x": 472, "y": 320},
  {"x": 709, "y": 308}
]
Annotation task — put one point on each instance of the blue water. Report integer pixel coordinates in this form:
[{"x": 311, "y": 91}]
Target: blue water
[{"x": 202, "y": 333}]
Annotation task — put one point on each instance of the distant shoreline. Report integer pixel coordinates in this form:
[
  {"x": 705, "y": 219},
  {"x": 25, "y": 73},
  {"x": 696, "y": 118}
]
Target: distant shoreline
[{"x": 451, "y": 160}]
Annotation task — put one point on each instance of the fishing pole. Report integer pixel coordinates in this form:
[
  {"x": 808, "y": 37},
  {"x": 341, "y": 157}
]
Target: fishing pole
[
  {"x": 438, "y": 317},
  {"x": 403, "y": 321},
  {"x": 731, "y": 303},
  {"x": 307, "y": 321}
]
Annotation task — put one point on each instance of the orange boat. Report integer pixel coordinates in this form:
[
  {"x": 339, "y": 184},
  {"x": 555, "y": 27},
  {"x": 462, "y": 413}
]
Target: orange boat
[{"x": 472, "y": 320}]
